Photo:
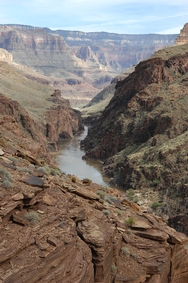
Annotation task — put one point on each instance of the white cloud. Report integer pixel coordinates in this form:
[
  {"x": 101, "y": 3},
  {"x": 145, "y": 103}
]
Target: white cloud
[{"x": 121, "y": 16}]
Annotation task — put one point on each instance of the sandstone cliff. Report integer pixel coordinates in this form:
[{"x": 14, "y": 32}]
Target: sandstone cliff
[
  {"x": 183, "y": 37},
  {"x": 88, "y": 60},
  {"x": 5, "y": 55},
  {"x": 142, "y": 134}
]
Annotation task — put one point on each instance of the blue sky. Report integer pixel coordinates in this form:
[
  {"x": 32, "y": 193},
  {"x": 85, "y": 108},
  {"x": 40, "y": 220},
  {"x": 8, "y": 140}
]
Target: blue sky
[{"x": 118, "y": 16}]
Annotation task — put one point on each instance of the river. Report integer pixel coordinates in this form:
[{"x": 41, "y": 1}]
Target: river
[{"x": 70, "y": 161}]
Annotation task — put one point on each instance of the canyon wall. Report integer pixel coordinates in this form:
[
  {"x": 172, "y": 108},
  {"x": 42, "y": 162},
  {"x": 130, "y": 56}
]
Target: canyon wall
[
  {"x": 141, "y": 135},
  {"x": 79, "y": 64},
  {"x": 57, "y": 228}
]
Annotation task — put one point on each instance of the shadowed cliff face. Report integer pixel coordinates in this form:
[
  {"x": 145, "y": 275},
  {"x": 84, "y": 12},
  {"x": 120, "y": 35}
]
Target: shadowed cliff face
[{"x": 142, "y": 133}]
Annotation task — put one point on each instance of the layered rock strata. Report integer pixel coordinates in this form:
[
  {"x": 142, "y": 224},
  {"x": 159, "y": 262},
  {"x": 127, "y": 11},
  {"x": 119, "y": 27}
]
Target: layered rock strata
[
  {"x": 80, "y": 64},
  {"x": 56, "y": 230},
  {"x": 62, "y": 122},
  {"x": 183, "y": 37},
  {"x": 142, "y": 134},
  {"x": 43, "y": 113}
]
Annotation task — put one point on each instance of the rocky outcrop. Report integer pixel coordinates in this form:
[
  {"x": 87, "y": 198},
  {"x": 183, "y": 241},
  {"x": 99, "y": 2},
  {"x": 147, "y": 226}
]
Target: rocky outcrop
[
  {"x": 62, "y": 122},
  {"x": 56, "y": 230},
  {"x": 5, "y": 55},
  {"x": 16, "y": 123},
  {"x": 142, "y": 134},
  {"x": 40, "y": 110},
  {"x": 183, "y": 37}
]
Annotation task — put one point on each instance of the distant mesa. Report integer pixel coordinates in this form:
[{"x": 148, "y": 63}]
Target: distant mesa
[
  {"x": 79, "y": 64},
  {"x": 183, "y": 37}
]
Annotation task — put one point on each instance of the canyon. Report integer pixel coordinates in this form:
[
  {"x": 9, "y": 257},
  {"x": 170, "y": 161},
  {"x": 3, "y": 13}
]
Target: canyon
[
  {"x": 79, "y": 64},
  {"x": 56, "y": 227}
]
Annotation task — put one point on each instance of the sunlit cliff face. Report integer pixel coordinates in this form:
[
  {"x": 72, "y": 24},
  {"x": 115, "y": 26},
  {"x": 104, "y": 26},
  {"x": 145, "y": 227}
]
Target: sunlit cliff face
[{"x": 183, "y": 37}]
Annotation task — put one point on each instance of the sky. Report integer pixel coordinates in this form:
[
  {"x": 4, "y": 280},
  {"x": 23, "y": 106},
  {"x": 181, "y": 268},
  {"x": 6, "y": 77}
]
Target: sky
[{"x": 116, "y": 16}]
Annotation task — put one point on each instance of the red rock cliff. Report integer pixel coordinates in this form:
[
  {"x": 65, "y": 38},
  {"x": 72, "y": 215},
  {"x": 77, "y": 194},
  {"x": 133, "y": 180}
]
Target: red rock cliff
[
  {"x": 61, "y": 121},
  {"x": 142, "y": 133}
]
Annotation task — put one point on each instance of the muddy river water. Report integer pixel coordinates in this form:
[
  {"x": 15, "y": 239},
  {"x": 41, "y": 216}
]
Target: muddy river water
[{"x": 70, "y": 161}]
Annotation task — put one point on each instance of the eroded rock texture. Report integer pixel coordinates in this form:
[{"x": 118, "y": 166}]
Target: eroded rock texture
[
  {"x": 57, "y": 230},
  {"x": 60, "y": 231},
  {"x": 142, "y": 134},
  {"x": 60, "y": 122},
  {"x": 80, "y": 64},
  {"x": 5, "y": 55},
  {"x": 183, "y": 37}
]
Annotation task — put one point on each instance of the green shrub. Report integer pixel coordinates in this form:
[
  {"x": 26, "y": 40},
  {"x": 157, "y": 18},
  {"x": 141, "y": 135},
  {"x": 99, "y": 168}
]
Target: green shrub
[
  {"x": 33, "y": 217},
  {"x": 155, "y": 205},
  {"x": 52, "y": 171},
  {"x": 7, "y": 178},
  {"x": 6, "y": 183},
  {"x": 5, "y": 174},
  {"x": 155, "y": 183},
  {"x": 130, "y": 221},
  {"x": 55, "y": 171},
  {"x": 86, "y": 181},
  {"x": 73, "y": 179},
  {"x": 12, "y": 158},
  {"x": 125, "y": 251},
  {"x": 100, "y": 194},
  {"x": 118, "y": 212},
  {"x": 130, "y": 194},
  {"x": 114, "y": 268},
  {"x": 135, "y": 200},
  {"x": 108, "y": 199},
  {"x": 47, "y": 169}
]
